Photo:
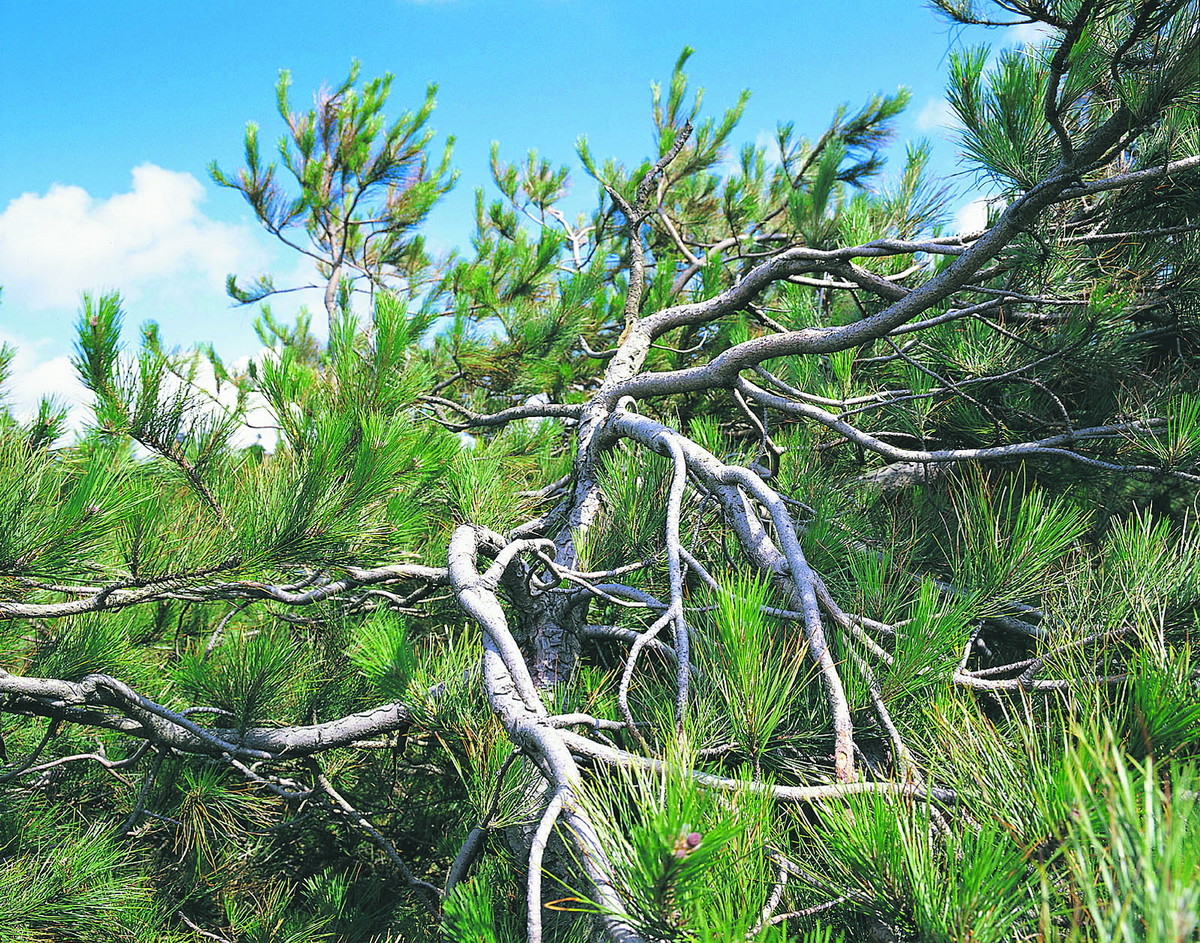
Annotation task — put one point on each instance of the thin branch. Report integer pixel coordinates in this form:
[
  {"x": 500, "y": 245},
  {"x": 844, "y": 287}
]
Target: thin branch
[
  {"x": 537, "y": 848},
  {"x": 474, "y": 420},
  {"x": 124, "y": 710},
  {"x": 733, "y": 486},
  {"x": 777, "y": 888},
  {"x": 1051, "y": 446},
  {"x": 429, "y": 893},
  {"x": 627, "y": 635},
  {"x": 795, "y": 794}
]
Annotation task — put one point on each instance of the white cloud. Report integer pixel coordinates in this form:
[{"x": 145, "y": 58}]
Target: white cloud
[
  {"x": 57, "y": 244},
  {"x": 768, "y": 141},
  {"x": 1027, "y": 34},
  {"x": 155, "y": 244},
  {"x": 35, "y": 376},
  {"x": 936, "y": 115},
  {"x": 973, "y": 216}
]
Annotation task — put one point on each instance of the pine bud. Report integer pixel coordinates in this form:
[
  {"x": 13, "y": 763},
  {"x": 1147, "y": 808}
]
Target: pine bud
[{"x": 686, "y": 844}]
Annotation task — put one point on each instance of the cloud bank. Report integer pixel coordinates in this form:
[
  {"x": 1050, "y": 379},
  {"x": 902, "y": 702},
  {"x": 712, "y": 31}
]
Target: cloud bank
[
  {"x": 55, "y": 245},
  {"x": 937, "y": 115},
  {"x": 153, "y": 243}
]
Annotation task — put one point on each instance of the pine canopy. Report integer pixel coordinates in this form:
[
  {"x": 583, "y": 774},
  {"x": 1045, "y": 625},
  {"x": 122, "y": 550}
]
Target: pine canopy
[{"x": 753, "y": 558}]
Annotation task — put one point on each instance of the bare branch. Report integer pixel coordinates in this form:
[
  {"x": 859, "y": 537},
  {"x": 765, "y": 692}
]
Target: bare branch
[
  {"x": 533, "y": 894},
  {"x": 105, "y": 702}
]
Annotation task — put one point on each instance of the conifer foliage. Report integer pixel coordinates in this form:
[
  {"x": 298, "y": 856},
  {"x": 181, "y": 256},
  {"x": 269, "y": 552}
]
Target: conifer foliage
[{"x": 755, "y": 557}]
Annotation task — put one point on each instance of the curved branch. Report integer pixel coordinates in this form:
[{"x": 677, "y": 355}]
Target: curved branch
[
  {"x": 476, "y": 420},
  {"x": 528, "y": 724},
  {"x": 1051, "y": 446},
  {"x": 1062, "y": 185},
  {"x": 119, "y": 596},
  {"x": 613, "y": 757},
  {"x": 733, "y": 487},
  {"x": 537, "y": 848},
  {"x": 126, "y": 711}
]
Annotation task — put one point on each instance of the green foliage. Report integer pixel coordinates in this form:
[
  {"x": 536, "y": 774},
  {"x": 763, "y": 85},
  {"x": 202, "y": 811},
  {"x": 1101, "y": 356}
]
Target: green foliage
[
  {"x": 929, "y": 643},
  {"x": 1149, "y": 569},
  {"x": 321, "y": 502},
  {"x": 85, "y": 645},
  {"x": 1132, "y": 850},
  {"x": 255, "y": 675},
  {"x": 1177, "y": 444},
  {"x": 208, "y": 811},
  {"x": 1014, "y": 621},
  {"x": 1164, "y": 705},
  {"x": 361, "y": 185},
  {"x": 675, "y": 838},
  {"x": 1000, "y": 111},
  {"x": 1010, "y": 543},
  {"x": 478, "y": 489},
  {"x": 382, "y": 652},
  {"x": 55, "y": 513},
  {"x": 742, "y": 640},
  {"x": 269, "y": 918},
  {"x": 896, "y": 866},
  {"x": 635, "y": 487},
  {"x": 468, "y": 915},
  {"x": 60, "y": 881}
]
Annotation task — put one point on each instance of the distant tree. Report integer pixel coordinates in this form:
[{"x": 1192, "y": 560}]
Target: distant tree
[{"x": 753, "y": 558}]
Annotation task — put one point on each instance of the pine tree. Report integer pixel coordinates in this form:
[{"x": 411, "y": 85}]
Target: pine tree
[{"x": 753, "y": 558}]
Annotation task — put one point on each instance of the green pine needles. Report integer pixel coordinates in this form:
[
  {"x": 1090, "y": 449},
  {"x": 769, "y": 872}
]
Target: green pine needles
[{"x": 752, "y": 558}]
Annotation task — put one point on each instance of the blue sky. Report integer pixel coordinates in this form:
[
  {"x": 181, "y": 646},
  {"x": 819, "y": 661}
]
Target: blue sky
[{"x": 112, "y": 111}]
